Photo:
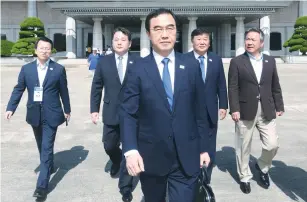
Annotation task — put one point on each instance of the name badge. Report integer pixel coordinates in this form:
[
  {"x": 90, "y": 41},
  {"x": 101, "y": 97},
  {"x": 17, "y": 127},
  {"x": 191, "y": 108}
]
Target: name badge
[{"x": 38, "y": 94}]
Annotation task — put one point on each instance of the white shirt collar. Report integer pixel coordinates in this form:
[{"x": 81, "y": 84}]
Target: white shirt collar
[
  {"x": 197, "y": 55},
  {"x": 44, "y": 65},
  {"x": 159, "y": 58},
  {"x": 124, "y": 56}
]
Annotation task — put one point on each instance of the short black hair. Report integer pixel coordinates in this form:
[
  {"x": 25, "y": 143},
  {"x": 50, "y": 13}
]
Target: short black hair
[
  {"x": 199, "y": 31},
  {"x": 43, "y": 38},
  {"x": 155, "y": 13},
  {"x": 254, "y": 29},
  {"x": 124, "y": 31}
]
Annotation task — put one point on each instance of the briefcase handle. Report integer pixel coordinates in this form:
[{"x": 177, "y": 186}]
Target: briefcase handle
[{"x": 204, "y": 174}]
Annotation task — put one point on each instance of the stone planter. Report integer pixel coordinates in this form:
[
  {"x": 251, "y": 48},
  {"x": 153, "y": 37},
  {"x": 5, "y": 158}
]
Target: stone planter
[
  {"x": 25, "y": 58},
  {"x": 294, "y": 59},
  {"x": 57, "y": 58}
]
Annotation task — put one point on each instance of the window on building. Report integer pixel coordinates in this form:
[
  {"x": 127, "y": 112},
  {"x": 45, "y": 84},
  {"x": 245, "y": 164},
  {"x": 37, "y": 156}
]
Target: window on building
[
  {"x": 233, "y": 41},
  {"x": 275, "y": 41},
  {"x": 59, "y": 42},
  {"x": 135, "y": 45},
  {"x": 3, "y": 36}
]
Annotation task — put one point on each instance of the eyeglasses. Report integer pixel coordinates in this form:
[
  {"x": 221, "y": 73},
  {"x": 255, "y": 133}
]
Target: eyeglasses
[
  {"x": 168, "y": 29},
  {"x": 44, "y": 48}
]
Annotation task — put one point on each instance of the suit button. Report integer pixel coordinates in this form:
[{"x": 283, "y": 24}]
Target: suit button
[{"x": 170, "y": 137}]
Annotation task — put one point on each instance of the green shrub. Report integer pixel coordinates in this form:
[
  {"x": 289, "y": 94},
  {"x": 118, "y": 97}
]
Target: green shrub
[
  {"x": 6, "y": 47},
  {"x": 30, "y": 30},
  {"x": 298, "y": 41}
]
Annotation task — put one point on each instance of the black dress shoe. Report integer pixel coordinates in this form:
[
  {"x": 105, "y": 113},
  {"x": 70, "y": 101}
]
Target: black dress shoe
[
  {"x": 245, "y": 187},
  {"x": 40, "y": 194},
  {"x": 127, "y": 197},
  {"x": 264, "y": 177},
  {"x": 114, "y": 169}
]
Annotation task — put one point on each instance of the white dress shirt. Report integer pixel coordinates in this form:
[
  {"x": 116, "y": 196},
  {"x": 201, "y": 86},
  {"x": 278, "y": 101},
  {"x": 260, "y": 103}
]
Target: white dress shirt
[
  {"x": 205, "y": 61},
  {"x": 42, "y": 71},
  {"x": 257, "y": 65},
  {"x": 171, "y": 69},
  {"x": 124, "y": 61}
]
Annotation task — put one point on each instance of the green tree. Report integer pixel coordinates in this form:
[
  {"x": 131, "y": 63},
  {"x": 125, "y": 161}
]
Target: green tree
[
  {"x": 298, "y": 41},
  {"x": 30, "y": 30}
]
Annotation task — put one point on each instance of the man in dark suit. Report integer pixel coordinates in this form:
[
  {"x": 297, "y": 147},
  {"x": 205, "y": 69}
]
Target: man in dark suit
[
  {"x": 110, "y": 75},
  {"x": 255, "y": 99},
  {"x": 45, "y": 81},
  {"x": 213, "y": 75},
  {"x": 163, "y": 116}
]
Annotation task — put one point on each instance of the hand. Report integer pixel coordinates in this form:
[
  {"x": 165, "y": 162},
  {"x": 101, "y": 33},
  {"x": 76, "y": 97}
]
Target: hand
[
  {"x": 134, "y": 164},
  {"x": 279, "y": 113},
  {"x": 8, "y": 115},
  {"x": 67, "y": 116},
  {"x": 222, "y": 113},
  {"x": 95, "y": 117},
  {"x": 204, "y": 159},
  {"x": 235, "y": 116}
]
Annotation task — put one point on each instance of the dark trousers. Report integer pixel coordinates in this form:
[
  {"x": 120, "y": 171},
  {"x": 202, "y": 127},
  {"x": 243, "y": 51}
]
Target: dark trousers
[
  {"x": 181, "y": 188},
  {"x": 111, "y": 142},
  {"x": 212, "y": 149},
  {"x": 45, "y": 136},
  {"x": 126, "y": 183}
]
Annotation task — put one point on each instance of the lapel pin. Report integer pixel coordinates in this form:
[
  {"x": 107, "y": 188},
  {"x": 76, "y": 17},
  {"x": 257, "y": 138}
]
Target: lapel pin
[
  {"x": 266, "y": 61},
  {"x": 51, "y": 68},
  {"x": 210, "y": 59},
  {"x": 131, "y": 62},
  {"x": 181, "y": 67}
]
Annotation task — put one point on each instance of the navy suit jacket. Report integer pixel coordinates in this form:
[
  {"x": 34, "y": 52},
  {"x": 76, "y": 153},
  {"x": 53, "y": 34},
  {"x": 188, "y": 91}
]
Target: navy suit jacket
[
  {"x": 148, "y": 125},
  {"x": 215, "y": 85},
  {"x": 54, "y": 85},
  {"x": 106, "y": 76}
]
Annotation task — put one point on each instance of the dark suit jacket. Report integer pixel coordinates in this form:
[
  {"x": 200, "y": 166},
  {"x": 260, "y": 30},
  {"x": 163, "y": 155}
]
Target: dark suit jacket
[
  {"x": 215, "y": 85},
  {"x": 54, "y": 85},
  {"x": 106, "y": 76},
  {"x": 148, "y": 125},
  {"x": 244, "y": 89}
]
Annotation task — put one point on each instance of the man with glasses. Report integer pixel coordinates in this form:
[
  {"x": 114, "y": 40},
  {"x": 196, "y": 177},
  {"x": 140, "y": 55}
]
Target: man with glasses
[
  {"x": 255, "y": 99},
  {"x": 45, "y": 81},
  {"x": 163, "y": 116}
]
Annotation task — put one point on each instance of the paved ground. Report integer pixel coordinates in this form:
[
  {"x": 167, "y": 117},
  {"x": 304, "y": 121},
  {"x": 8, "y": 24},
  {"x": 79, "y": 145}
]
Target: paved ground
[{"x": 79, "y": 153}]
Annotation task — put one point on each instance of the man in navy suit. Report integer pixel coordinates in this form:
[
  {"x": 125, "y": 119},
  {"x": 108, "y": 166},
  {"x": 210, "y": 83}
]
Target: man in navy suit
[
  {"x": 110, "y": 75},
  {"x": 163, "y": 116},
  {"x": 45, "y": 81},
  {"x": 215, "y": 89}
]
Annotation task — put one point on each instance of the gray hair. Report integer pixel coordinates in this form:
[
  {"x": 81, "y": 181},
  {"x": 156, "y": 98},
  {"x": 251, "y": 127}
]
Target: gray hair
[{"x": 259, "y": 31}]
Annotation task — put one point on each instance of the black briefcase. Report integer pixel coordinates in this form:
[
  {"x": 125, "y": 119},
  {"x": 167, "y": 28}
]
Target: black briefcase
[{"x": 204, "y": 190}]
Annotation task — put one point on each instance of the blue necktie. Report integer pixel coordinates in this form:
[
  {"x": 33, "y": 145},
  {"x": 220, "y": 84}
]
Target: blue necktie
[
  {"x": 202, "y": 67},
  {"x": 166, "y": 78}
]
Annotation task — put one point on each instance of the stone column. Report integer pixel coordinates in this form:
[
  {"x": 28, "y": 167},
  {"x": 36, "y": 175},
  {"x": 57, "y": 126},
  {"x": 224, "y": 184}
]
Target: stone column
[
  {"x": 70, "y": 37},
  {"x": 192, "y": 26},
  {"x": 80, "y": 46},
  {"x": 303, "y": 8},
  {"x": 144, "y": 41},
  {"x": 185, "y": 37},
  {"x": 240, "y": 36},
  {"x": 108, "y": 30},
  {"x": 265, "y": 27},
  {"x": 97, "y": 33},
  {"x": 32, "y": 9},
  {"x": 226, "y": 40}
]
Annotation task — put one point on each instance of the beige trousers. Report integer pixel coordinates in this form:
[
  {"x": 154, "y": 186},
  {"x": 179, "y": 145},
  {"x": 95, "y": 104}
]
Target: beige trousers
[{"x": 244, "y": 135}]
